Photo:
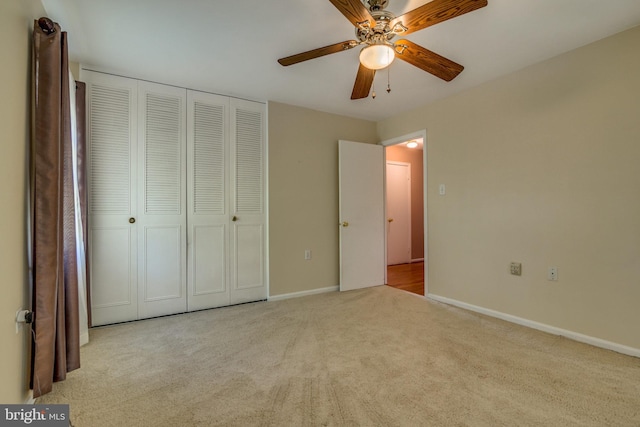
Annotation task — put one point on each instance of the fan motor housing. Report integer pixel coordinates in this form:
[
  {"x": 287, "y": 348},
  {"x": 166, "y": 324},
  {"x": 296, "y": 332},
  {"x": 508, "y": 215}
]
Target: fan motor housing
[{"x": 381, "y": 31}]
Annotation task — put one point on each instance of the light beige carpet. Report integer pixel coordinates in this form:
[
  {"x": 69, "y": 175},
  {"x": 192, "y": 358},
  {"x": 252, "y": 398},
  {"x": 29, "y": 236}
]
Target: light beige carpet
[{"x": 375, "y": 357}]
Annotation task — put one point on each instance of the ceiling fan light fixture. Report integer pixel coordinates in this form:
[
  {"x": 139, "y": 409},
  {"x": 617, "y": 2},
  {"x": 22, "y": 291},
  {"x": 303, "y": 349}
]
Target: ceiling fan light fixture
[{"x": 377, "y": 56}]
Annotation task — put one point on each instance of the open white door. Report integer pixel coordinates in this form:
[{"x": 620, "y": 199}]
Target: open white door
[{"x": 362, "y": 223}]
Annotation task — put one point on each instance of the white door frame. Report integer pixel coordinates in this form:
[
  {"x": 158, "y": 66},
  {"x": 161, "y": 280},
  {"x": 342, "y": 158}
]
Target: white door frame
[{"x": 397, "y": 140}]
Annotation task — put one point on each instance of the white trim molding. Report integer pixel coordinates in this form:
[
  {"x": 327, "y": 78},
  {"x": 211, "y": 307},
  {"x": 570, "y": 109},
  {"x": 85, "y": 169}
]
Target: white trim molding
[
  {"x": 303, "y": 293},
  {"x": 597, "y": 342}
]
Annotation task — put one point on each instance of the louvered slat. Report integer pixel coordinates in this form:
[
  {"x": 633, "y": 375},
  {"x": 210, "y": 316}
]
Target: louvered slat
[
  {"x": 249, "y": 161},
  {"x": 110, "y": 150},
  {"x": 163, "y": 132},
  {"x": 209, "y": 159}
]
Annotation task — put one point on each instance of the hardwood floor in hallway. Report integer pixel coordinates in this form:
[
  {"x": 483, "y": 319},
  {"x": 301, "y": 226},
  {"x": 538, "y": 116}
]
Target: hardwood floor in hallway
[{"x": 408, "y": 277}]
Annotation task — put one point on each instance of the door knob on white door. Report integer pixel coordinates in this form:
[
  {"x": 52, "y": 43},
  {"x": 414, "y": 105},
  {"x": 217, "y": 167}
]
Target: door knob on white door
[{"x": 344, "y": 224}]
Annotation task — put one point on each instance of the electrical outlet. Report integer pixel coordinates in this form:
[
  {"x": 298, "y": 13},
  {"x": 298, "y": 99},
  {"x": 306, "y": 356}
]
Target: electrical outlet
[
  {"x": 552, "y": 274},
  {"x": 516, "y": 268},
  {"x": 307, "y": 254}
]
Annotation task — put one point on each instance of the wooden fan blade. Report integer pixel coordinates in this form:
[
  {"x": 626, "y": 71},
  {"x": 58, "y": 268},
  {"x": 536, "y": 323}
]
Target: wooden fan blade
[
  {"x": 363, "y": 83},
  {"x": 429, "y": 61},
  {"x": 436, "y": 11},
  {"x": 354, "y": 11},
  {"x": 316, "y": 53}
]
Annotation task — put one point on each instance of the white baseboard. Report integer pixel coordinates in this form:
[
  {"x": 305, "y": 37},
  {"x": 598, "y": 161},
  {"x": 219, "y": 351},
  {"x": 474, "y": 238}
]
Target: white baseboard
[
  {"x": 30, "y": 399},
  {"x": 597, "y": 342},
  {"x": 303, "y": 293}
]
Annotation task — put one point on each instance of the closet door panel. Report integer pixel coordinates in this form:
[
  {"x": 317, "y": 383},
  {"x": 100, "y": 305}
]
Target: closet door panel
[
  {"x": 249, "y": 266},
  {"x": 162, "y": 205},
  {"x": 112, "y": 168},
  {"x": 248, "y": 157},
  {"x": 163, "y": 269},
  {"x": 208, "y": 206},
  {"x": 248, "y": 186},
  {"x": 209, "y": 272},
  {"x": 113, "y": 284}
]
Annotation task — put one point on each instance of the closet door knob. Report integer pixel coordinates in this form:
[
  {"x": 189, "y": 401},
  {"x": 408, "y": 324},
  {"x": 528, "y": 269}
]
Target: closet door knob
[
  {"x": 132, "y": 220},
  {"x": 235, "y": 218}
]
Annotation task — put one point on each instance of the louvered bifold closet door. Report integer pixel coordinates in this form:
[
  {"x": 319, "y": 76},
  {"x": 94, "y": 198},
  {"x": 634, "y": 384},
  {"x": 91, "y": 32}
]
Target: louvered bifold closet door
[
  {"x": 162, "y": 216},
  {"x": 208, "y": 201},
  {"x": 111, "y": 130},
  {"x": 248, "y": 187}
]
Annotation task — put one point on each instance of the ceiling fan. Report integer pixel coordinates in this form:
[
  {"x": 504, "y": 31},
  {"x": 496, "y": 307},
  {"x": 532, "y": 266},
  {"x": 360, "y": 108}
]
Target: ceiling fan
[{"x": 376, "y": 28}]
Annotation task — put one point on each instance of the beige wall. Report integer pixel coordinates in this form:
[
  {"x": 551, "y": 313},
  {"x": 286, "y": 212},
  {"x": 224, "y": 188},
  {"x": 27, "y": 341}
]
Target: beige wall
[
  {"x": 303, "y": 194},
  {"x": 16, "y": 23},
  {"x": 413, "y": 156},
  {"x": 541, "y": 167}
]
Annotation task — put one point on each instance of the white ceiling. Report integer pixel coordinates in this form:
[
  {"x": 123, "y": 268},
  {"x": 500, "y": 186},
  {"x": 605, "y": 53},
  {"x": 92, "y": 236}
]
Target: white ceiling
[{"x": 231, "y": 46}]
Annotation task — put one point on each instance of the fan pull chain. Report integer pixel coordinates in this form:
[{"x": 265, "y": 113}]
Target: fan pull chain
[
  {"x": 388, "y": 80},
  {"x": 373, "y": 91}
]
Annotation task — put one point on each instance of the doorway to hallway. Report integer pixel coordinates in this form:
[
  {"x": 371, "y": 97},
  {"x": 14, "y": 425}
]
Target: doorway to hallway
[{"x": 406, "y": 246}]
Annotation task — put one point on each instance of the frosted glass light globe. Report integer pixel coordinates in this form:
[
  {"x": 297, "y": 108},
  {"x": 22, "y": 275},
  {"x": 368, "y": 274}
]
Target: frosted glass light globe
[{"x": 377, "y": 56}]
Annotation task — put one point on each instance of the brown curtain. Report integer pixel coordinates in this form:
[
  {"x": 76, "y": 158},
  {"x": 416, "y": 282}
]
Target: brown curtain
[{"x": 56, "y": 348}]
